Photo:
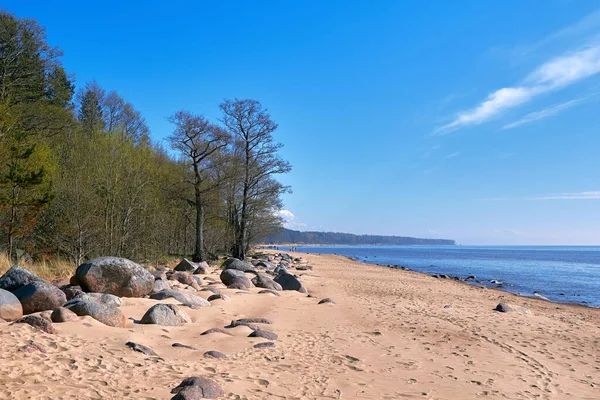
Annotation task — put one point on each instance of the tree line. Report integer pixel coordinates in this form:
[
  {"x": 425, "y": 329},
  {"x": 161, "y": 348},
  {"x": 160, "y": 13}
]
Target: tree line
[
  {"x": 80, "y": 176},
  {"x": 288, "y": 236}
]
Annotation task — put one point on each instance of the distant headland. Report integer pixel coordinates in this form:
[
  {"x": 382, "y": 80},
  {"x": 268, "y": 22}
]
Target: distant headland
[{"x": 286, "y": 236}]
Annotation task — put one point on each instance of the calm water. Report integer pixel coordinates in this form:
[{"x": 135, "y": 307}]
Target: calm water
[{"x": 559, "y": 273}]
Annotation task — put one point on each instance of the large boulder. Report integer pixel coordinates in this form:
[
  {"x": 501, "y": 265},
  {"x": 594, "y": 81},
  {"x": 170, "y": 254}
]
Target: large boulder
[
  {"x": 16, "y": 277},
  {"x": 234, "y": 263},
  {"x": 102, "y": 298},
  {"x": 165, "y": 314},
  {"x": 10, "y": 306},
  {"x": 289, "y": 282},
  {"x": 117, "y": 276},
  {"x": 265, "y": 282},
  {"x": 196, "y": 387},
  {"x": 39, "y": 296},
  {"x": 187, "y": 299},
  {"x": 108, "y": 314},
  {"x": 186, "y": 265},
  {"x": 236, "y": 278}
]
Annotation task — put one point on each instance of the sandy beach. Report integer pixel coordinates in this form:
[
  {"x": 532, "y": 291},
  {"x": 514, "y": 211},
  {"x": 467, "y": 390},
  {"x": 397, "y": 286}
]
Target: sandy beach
[{"x": 390, "y": 334}]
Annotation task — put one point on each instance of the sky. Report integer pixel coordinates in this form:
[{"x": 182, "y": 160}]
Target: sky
[{"x": 477, "y": 121}]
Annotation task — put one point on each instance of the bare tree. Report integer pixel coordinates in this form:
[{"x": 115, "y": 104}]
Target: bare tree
[
  {"x": 199, "y": 141},
  {"x": 252, "y": 127}
]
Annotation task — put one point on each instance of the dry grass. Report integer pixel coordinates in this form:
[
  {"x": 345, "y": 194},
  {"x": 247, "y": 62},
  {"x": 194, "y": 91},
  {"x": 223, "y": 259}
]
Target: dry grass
[{"x": 47, "y": 269}]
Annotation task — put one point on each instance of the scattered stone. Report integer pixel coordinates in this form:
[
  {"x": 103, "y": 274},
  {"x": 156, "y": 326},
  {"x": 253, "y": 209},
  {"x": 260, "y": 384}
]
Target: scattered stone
[
  {"x": 265, "y": 282},
  {"x": 185, "y": 346},
  {"x": 46, "y": 315},
  {"x": 186, "y": 265},
  {"x": 304, "y": 267},
  {"x": 264, "y": 345},
  {"x": 10, "y": 306},
  {"x": 37, "y": 322},
  {"x": 107, "y": 314},
  {"x": 118, "y": 276},
  {"x": 244, "y": 321},
  {"x": 264, "y": 334},
  {"x": 165, "y": 314},
  {"x": 17, "y": 277},
  {"x": 211, "y": 289},
  {"x": 218, "y": 297},
  {"x": 187, "y": 299},
  {"x": 39, "y": 296},
  {"x": 215, "y": 354},
  {"x": 506, "y": 307},
  {"x": 269, "y": 291},
  {"x": 197, "y": 387},
  {"x": 62, "y": 314},
  {"x": 235, "y": 264},
  {"x": 160, "y": 285},
  {"x": 289, "y": 282},
  {"x": 202, "y": 268},
  {"x": 233, "y": 277},
  {"x": 71, "y": 291},
  {"x": 31, "y": 347},
  {"x": 141, "y": 348},
  {"x": 327, "y": 300},
  {"x": 216, "y": 330}
]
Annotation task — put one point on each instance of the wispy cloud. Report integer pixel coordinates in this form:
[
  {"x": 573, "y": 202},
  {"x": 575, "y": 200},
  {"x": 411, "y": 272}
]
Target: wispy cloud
[
  {"x": 593, "y": 195},
  {"x": 545, "y": 113},
  {"x": 290, "y": 220},
  {"x": 555, "y": 74},
  {"x": 452, "y": 155}
]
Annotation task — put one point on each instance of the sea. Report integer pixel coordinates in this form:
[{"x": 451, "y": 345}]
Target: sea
[{"x": 567, "y": 274}]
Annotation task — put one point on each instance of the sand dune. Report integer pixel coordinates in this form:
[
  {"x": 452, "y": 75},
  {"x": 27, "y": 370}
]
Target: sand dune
[{"x": 391, "y": 335}]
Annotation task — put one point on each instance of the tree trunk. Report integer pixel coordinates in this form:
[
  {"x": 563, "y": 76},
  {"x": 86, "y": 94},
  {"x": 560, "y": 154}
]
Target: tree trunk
[{"x": 199, "y": 247}]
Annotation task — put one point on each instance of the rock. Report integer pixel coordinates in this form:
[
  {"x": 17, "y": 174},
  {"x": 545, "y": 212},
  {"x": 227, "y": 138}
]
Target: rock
[
  {"x": 10, "y": 306},
  {"x": 264, "y": 345},
  {"x": 216, "y": 330},
  {"x": 141, "y": 348},
  {"x": 202, "y": 268},
  {"x": 234, "y": 277},
  {"x": 215, "y": 354},
  {"x": 197, "y": 387},
  {"x": 160, "y": 285},
  {"x": 184, "y": 277},
  {"x": 269, "y": 291},
  {"x": 71, "y": 291},
  {"x": 117, "y": 276},
  {"x": 264, "y": 334},
  {"x": 32, "y": 347},
  {"x": 239, "y": 265},
  {"x": 265, "y": 282},
  {"x": 17, "y": 277},
  {"x": 39, "y": 296},
  {"x": 107, "y": 314},
  {"x": 211, "y": 289},
  {"x": 165, "y": 314},
  {"x": 264, "y": 264},
  {"x": 186, "y": 265},
  {"x": 160, "y": 274},
  {"x": 187, "y": 299},
  {"x": 279, "y": 269},
  {"x": 327, "y": 300},
  {"x": 102, "y": 298},
  {"x": 238, "y": 286},
  {"x": 62, "y": 314},
  {"x": 37, "y": 322},
  {"x": 46, "y": 315},
  {"x": 185, "y": 346},
  {"x": 506, "y": 307},
  {"x": 243, "y": 321},
  {"x": 218, "y": 297},
  {"x": 289, "y": 282}
]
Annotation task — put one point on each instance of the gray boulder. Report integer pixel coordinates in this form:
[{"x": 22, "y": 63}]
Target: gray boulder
[
  {"x": 102, "y": 298},
  {"x": 197, "y": 387},
  {"x": 290, "y": 282},
  {"x": 165, "y": 314},
  {"x": 39, "y": 296},
  {"x": 236, "y": 278},
  {"x": 17, "y": 277},
  {"x": 160, "y": 285},
  {"x": 108, "y": 314},
  {"x": 265, "y": 282},
  {"x": 10, "y": 306},
  {"x": 186, "y": 265},
  {"x": 117, "y": 276},
  {"x": 507, "y": 307},
  {"x": 234, "y": 263},
  {"x": 187, "y": 299}
]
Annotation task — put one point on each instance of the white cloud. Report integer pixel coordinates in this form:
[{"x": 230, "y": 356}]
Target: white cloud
[
  {"x": 555, "y": 74},
  {"x": 289, "y": 220},
  {"x": 545, "y": 113},
  {"x": 593, "y": 195}
]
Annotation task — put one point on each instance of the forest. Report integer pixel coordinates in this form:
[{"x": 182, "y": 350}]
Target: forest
[
  {"x": 288, "y": 236},
  {"x": 81, "y": 177}
]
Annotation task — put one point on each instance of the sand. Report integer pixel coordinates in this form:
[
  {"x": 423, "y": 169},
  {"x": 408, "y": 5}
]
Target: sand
[{"x": 391, "y": 334}]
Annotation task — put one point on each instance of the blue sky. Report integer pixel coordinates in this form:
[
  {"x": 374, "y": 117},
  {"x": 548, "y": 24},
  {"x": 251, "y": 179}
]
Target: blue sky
[{"x": 472, "y": 120}]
